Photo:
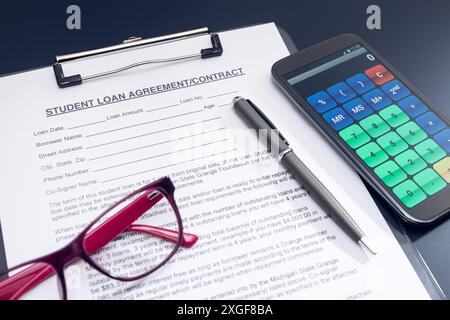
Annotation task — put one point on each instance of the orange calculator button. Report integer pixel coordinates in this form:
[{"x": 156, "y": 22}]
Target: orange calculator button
[
  {"x": 379, "y": 74},
  {"x": 443, "y": 168}
]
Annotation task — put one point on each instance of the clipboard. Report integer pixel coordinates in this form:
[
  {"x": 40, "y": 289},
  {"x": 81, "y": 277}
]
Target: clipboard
[{"x": 63, "y": 80}]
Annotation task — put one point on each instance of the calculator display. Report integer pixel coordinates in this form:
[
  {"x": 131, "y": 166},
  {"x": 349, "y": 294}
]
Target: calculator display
[{"x": 394, "y": 133}]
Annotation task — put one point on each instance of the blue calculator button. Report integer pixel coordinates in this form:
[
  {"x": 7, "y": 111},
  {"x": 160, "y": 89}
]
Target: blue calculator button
[
  {"x": 430, "y": 123},
  {"x": 360, "y": 83},
  {"x": 341, "y": 92},
  {"x": 321, "y": 101},
  {"x": 443, "y": 139},
  {"x": 338, "y": 118},
  {"x": 358, "y": 109},
  {"x": 377, "y": 99},
  {"x": 395, "y": 90},
  {"x": 412, "y": 106}
]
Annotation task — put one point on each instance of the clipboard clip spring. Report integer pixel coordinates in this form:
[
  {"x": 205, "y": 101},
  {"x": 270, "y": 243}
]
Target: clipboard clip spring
[{"x": 133, "y": 42}]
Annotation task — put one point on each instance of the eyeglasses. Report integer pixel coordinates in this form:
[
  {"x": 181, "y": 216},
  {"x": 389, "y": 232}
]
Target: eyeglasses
[{"x": 128, "y": 241}]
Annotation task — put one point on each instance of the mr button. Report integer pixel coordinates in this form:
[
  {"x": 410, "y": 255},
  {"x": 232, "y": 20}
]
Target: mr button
[{"x": 338, "y": 118}]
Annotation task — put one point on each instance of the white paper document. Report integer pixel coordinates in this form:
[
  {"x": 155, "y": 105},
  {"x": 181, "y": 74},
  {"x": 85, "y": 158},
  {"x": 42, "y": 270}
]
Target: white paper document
[{"x": 68, "y": 153}]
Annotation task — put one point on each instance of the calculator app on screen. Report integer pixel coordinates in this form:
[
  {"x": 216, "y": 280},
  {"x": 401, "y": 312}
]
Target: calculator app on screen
[{"x": 396, "y": 136}]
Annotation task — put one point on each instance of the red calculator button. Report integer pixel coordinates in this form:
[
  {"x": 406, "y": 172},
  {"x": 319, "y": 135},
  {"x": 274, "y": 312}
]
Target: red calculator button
[{"x": 379, "y": 74}]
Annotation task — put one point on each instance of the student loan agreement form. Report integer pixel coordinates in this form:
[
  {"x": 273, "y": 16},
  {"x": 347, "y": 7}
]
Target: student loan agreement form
[{"x": 68, "y": 153}]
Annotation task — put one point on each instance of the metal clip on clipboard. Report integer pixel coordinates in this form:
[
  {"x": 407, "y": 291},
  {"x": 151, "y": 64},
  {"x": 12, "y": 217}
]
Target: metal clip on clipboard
[{"x": 133, "y": 42}]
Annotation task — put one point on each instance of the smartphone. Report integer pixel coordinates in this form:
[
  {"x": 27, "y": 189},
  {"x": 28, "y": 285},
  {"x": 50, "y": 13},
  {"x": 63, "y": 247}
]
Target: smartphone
[{"x": 386, "y": 129}]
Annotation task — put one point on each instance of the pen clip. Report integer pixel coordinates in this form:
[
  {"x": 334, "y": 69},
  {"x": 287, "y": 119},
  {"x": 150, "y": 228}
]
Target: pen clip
[{"x": 270, "y": 123}]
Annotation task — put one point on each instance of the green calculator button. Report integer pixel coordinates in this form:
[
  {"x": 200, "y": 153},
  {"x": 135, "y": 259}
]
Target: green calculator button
[
  {"x": 430, "y": 151},
  {"x": 410, "y": 161},
  {"x": 390, "y": 173},
  {"x": 354, "y": 136},
  {"x": 392, "y": 143},
  {"x": 374, "y": 125},
  {"x": 372, "y": 154},
  {"x": 409, "y": 193},
  {"x": 411, "y": 133},
  {"x": 430, "y": 181},
  {"x": 394, "y": 116}
]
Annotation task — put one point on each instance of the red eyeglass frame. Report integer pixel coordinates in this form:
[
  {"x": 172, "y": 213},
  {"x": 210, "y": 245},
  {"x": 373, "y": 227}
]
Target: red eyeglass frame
[{"x": 15, "y": 286}]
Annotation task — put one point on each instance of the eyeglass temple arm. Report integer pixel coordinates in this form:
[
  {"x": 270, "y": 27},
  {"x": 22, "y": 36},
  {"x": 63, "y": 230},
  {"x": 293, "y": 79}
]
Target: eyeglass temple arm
[
  {"x": 121, "y": 221},
  {"x": 188, "y": 240},
  {"x": 14, "y": 287},
  {"x": 17, "y": 285}
]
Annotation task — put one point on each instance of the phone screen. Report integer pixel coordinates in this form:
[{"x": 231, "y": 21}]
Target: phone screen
[{"x": 392, "y": 132}]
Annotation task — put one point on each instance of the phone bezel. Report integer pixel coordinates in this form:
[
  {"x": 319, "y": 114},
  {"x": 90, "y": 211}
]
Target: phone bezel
[{"x": 430, "y": 210}]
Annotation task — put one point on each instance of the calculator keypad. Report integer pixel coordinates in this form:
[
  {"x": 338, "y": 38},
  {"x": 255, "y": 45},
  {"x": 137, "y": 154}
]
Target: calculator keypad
[{"x": 392, "y": 131}]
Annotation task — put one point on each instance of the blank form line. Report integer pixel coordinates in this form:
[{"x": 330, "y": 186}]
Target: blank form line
[
  {"x": 170, "y": 165},
  {"x": 159, "y": 155},
  {"x": 143, "y": 123},
  {"x": 222, "y": 94},
  {"x": 166, "y": 107},
  {"x": 224, "y": 105},
  {"x": 154, "y": 132},
  {"x": 155, "y": 144},
  {"x": 85, "y": 125}
]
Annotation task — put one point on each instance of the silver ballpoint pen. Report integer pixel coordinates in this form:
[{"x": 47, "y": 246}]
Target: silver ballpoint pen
[{"x": 286, "y": 156}]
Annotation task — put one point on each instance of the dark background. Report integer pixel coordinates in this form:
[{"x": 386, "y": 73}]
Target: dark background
[{"x": 415, "y": 38}]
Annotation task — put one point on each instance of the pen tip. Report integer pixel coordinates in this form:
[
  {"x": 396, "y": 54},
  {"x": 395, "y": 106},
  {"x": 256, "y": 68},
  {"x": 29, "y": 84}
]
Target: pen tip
[
  {"x": 236, "y": 99},
  {"x": 365, "y": 243}
]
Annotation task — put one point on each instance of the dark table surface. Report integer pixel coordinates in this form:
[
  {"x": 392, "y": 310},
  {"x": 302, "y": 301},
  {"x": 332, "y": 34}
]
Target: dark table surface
[{"x": 414, "y": 37}]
